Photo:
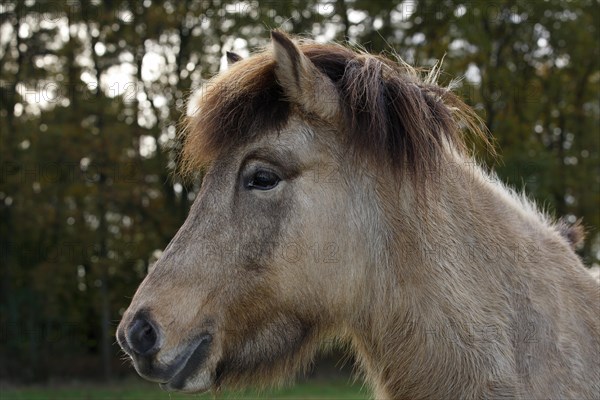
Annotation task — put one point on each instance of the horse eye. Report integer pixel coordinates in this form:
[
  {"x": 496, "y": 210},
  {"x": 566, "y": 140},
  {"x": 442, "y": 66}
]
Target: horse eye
[{"x": 263, "y": 180}]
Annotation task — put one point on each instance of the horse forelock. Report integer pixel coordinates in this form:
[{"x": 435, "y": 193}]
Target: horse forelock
[{"x": 390, "y": 111}]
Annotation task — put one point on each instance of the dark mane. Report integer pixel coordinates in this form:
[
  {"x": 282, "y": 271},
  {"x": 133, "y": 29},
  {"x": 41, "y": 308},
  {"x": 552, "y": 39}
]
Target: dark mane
[{"x": 390, "y": 112}]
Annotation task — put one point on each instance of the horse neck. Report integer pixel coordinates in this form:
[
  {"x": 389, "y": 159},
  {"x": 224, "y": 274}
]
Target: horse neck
[{"x": 459, "y": 265}]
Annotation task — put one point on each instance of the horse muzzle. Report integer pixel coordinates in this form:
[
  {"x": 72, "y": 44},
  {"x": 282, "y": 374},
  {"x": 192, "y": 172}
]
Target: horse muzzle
[{"x": 142, "y": 340}]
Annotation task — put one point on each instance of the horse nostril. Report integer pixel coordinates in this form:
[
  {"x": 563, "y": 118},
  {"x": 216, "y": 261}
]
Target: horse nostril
[{"x": 143, "y": 337}]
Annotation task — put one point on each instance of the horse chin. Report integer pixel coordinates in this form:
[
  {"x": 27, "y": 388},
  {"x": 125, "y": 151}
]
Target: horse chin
[
  {"x": 200, "y": 382},
  {"x": 255, "y": 363},
  {"x": 196, "y": 373}
]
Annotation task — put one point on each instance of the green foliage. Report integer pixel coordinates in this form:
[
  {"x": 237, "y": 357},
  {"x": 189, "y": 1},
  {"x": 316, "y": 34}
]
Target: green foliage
[
  {"x": 331, "y": 389},
  {"x": 86, "y": 194}
]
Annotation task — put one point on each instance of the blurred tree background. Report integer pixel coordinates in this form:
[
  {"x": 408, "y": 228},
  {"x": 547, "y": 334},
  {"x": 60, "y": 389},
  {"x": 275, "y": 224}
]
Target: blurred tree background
[{"x": 92, "y": 92}]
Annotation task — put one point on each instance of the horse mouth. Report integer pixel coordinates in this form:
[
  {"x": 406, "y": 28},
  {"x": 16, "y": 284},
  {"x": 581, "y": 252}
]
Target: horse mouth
[{"x": 188, "y": 378}]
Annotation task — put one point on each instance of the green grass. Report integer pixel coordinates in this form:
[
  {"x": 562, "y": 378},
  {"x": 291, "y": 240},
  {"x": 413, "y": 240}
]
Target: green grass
[{"x": 334, "y": 389}]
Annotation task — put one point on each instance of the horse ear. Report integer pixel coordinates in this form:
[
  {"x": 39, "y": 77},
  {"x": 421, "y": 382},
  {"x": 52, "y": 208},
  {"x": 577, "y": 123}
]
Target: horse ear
[
  {"x": 232, "y": 58},
  {"x": 301, "y": 80}
]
